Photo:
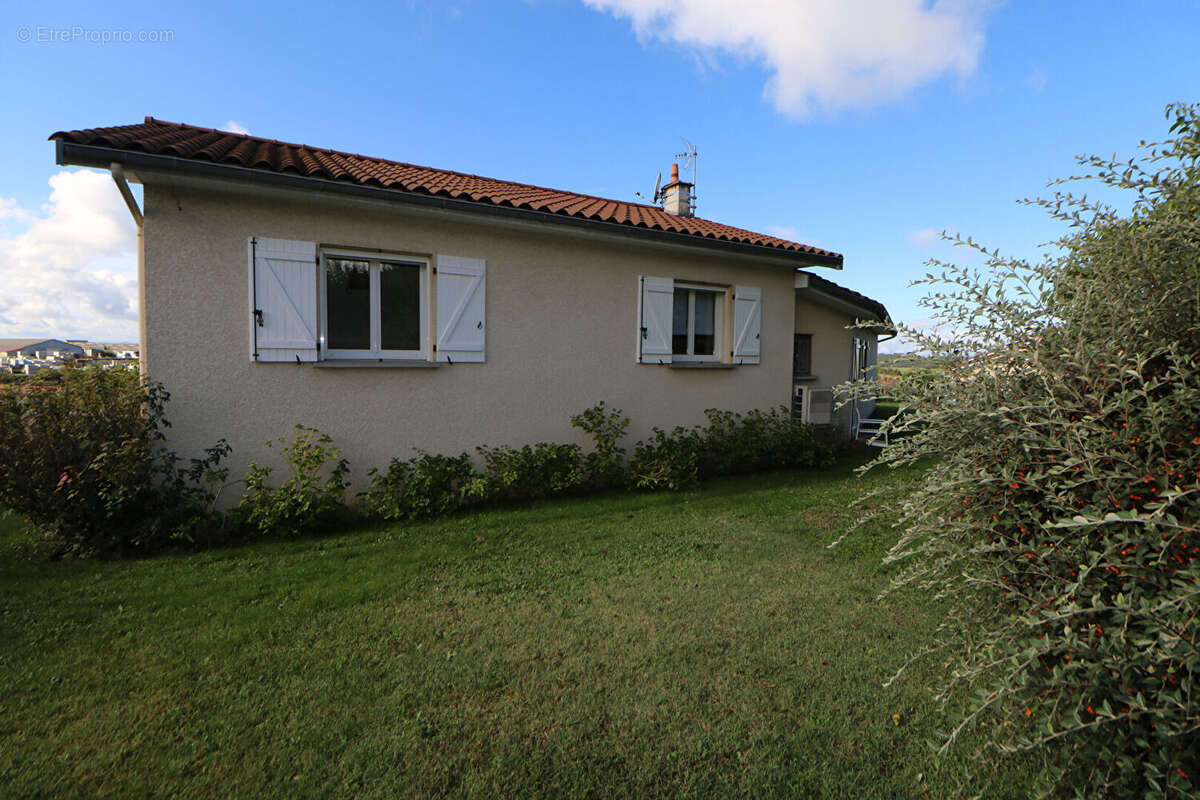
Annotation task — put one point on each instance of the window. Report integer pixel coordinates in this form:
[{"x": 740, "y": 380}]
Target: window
[
  {"x": 374, "y": 306},
  {"x": 802, "y": 355},
  {"x": 696, "y": 323},
  {"x": 365, "y": 307},
  {"x": 680, "y": 322}
]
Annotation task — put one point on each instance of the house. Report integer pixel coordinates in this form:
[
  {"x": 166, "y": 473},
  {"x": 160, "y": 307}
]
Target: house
[
  {"x": 102, "y": 350},
  {"x": 837, "y": 339},
  {"x": 395, "y": 306},
  {"x": 14, "y": 351}
]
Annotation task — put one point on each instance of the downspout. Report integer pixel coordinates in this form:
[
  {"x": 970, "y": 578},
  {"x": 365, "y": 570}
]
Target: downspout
[{"x": 118, "y": 176}]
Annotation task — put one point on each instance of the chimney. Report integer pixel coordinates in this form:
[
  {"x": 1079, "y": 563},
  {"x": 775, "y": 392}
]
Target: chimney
[{"x": 677, "y": 196}]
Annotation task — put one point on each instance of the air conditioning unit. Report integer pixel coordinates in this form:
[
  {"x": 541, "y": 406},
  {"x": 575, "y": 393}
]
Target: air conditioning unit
[{"x": 820, "y": 406}]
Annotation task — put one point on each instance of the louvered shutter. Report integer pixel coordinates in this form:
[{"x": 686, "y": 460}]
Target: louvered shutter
[
  {"x": 461, "y": 295},
  {"x": 283, "y": 300},
  {"x": 747, "y": 324},
  {"x": 655, "y": 306},
  {"x": 861, "y": 357}
]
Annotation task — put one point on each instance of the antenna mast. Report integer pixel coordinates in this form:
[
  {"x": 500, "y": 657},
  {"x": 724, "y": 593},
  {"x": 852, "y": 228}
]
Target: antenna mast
[{"x": 690, "y": 159}]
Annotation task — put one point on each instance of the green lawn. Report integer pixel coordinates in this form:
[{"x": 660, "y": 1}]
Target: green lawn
[{"x": 702, "y": 644}]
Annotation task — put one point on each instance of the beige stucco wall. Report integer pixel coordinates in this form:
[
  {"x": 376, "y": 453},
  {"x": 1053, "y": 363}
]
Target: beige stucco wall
[
  {"x": 561, "y": 335},
  {"x": 831, "y": 346},
  {"x": 830, "y": 340}
]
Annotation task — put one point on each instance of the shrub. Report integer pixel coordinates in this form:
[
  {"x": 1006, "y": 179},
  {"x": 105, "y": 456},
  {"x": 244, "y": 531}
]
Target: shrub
[
  {"x": 667, "y": 460},
  {"x": 1060, "y": 516},
  {"x": 755, "y": 441},
  {"x": 81, "y": 458},
  {"x": 425, "y": 486},
  {"x": 310, "y": 499},
  {"x": 731, "y": 443},
  {"x": 435, "y": 485},
  {"x": 530, "y": 473},
  {"x": 604, "y": 467}
]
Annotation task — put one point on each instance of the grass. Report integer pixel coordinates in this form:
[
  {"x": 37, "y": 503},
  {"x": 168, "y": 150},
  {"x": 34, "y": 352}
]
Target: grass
[
  {"x": 701, "y": 644},
  {"x": 885, "y": 409}
]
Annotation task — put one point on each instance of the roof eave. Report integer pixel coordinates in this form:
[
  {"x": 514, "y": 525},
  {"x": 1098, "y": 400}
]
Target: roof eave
[
  {"x": 836, "y": 296},
  {"x": 72, "y": 154}
]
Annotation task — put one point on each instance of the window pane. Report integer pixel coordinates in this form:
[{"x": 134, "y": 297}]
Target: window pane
[
  {"x": 400, "y": 306},
  {"x": 706, "y": 307},
  {"x": 802, "y": 359},
  {"x": 348, "y": 298},
  {"x": 679, "y": 323}
]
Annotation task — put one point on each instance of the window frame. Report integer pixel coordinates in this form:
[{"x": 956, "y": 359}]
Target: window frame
[
  {"x": 375, "y": 259},
  {"x": 720, "y": 311}
]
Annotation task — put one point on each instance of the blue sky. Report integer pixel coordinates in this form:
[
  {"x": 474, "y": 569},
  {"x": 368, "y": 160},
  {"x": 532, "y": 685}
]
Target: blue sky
[{"x": 859, "y": 126}]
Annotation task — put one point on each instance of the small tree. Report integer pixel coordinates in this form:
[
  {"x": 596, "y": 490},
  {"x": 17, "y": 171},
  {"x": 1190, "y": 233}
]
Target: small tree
[
  {"x": 1060, "y": 515},
  {"x": 82, "y": 458}
]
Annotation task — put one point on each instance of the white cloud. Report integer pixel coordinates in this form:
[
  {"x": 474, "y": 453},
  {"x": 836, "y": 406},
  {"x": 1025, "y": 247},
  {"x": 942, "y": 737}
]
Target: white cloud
[
  {"x": 924, "y": 238},
  {"x": 793, "y": 234},
  {"x": 789, "y": 232},
  {"x": 73, "y": 270},
  {"x": 823, "y": 55},
  {"x": 9, "y": 209},
  {"x": 233, "y": 126}
]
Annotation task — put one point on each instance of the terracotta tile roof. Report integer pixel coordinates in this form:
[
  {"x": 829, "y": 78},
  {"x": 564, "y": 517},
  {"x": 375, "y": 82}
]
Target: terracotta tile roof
[{"x": 156, "y": 137}]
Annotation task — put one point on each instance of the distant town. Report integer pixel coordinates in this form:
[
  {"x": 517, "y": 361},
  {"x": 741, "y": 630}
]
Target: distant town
[{"x": 30, "y": 356}]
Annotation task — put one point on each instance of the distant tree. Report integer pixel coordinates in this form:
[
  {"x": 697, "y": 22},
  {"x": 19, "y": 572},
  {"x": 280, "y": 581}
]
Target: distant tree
[{"x": 1060, "y": 517}]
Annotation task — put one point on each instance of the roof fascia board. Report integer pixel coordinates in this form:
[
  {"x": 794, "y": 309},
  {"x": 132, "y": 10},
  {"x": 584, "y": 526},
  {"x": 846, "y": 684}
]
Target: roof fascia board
[
  {"x": 67, "y": 153},
  {"x": 838, "y": 303}
]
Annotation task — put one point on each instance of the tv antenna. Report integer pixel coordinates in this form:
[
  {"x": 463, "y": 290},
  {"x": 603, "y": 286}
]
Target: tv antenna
[{"x": 690, "y": 157}]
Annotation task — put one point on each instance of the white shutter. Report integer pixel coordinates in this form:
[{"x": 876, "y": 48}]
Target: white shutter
[
  {"x": 747, "y": 324},
  {"x": 283, "y": 300},
  {"x": 860, "y": 352},
  {"x": 655, "y": 306},
  {"x": 461, "y": 292}
]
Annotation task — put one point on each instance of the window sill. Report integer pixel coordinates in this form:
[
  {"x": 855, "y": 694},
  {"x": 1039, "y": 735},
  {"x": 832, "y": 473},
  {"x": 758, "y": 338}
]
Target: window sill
[
  {"x": 376, "y": 363},
  {"x": 804, "y": 378},
  {"x": 702, "y": 365}
]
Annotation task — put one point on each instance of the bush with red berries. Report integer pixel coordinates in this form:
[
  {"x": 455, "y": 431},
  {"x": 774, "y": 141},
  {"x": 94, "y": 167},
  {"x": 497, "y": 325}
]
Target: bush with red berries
[{"x": 1061, "y": 516}]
